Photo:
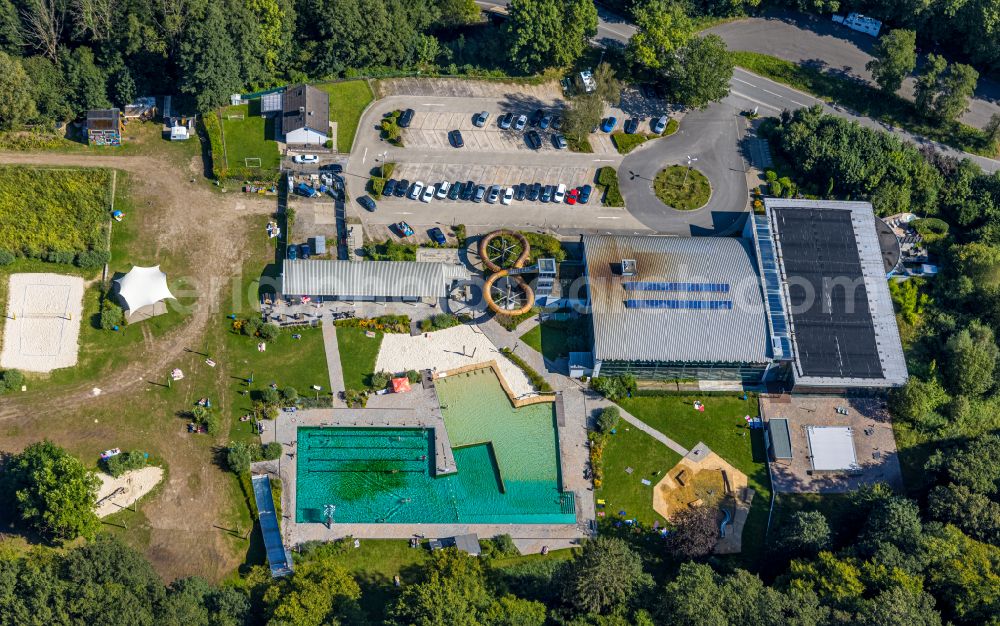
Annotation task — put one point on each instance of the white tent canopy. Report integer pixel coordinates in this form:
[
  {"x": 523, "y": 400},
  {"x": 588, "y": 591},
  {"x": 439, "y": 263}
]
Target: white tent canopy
[{"x": 142, "y": 287}]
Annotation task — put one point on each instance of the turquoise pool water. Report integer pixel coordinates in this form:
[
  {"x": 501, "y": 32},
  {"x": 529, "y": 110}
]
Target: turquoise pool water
[{"x": 507, "y": 459}]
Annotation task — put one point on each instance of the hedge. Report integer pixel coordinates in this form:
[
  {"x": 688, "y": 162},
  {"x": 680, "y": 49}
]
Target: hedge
[
  {"x": 217, "y": 152},
  {"x": 607, "y": 177},
  {"x": 124, "y": 462}
]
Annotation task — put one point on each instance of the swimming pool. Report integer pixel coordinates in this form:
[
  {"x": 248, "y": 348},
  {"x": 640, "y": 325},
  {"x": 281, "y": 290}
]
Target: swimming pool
[{"x": 507, "y": 460}]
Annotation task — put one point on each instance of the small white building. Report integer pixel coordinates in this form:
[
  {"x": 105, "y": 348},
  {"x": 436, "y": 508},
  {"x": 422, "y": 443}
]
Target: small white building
[
  {"x": 305, "y": 117},
  {"x": 860, "y": 23}
]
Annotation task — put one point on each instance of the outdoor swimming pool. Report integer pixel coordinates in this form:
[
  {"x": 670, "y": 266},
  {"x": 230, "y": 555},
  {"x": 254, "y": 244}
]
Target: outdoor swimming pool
[{"x": 507, "y": 459}]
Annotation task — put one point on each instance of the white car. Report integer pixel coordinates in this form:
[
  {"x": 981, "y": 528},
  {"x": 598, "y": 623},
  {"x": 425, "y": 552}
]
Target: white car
[
  {"x": 508, "y": 196},
  {"x": 416, "y": 189},
  {"x": 442, "y": 189},
  {"x": 305, "y": 158},
  {"x": 560, "y": 193},
  {"x": 522, "y": 120},
  {"x": 428, "y": 194}
]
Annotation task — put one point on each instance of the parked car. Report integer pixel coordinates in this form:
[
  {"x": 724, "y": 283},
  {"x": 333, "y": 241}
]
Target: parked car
[
  {"x": 560, "y": 194},
  {"x": 404, "y": 229},
  {"x": 494, "y": 194},
  {"x": 428, "y": 194},
  {"x": 559, "y": 142},
  {"x": 442, "y": 189},
  {"x": 520, "y": 191},
  {"x": 336, "y": 168},
  {"x": 572, "y": 195},
  {"x": 557, "y": 122},
  {"x": 402, "y": 187},
  {"x": 437, "y": 236},
  {"x": 292, "y": 252},
  {"x": 367, "y": 202},
  {"x": 305, "y": 158},
  {"x": 389, "y": 187},
  {"x": 508, "y": 196},
  {"x": 545, "y": 121},
  {"x": 505, "y": 121},
  {"x": 520, "y": 123},
  {"x": 480, "y": 193},
  {"x": 455, "y": 138},
  {"x": 405, "y": 118},
  {"x": 536, "y": 117},
  {"x": 455, "y": 191},
  {"x": 304, "y": 251},
  {"x": 479, "y": 119},
  {"x": 631, "y": 125},
  {"x": 546, "y": 195},
  {"x": 585, "y": 192},
  {"x": 534, "y": 191},
  {"x": 609, "y": 123},
  {"x": 468, "y": 190},
  {"x": 660, "y": 125},
  {"x": 416, "y": 190},
  {"x": 533, "y": 139}
]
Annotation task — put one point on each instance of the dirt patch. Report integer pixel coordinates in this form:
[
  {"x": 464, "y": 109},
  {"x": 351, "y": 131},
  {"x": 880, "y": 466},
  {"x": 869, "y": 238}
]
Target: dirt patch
[
  {"x": 119, "y": 493},
  {"x": 42, "y": 330}
]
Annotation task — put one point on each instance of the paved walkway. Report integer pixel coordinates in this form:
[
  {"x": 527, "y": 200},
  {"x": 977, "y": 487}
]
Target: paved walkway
[{"x": 332, "y": 350}]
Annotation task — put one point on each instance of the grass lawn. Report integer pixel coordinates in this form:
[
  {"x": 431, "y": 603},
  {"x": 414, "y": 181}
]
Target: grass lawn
[
  {"x": 627, "y": 142},
  {"x": 249, "y": 137},
  {"x": 557, "y": 339},
  {"x": 682, "y": 188},
  {"x": 630, "y": 447},
  {"x": 347, "y": 101},
  {"x": 722, "y": 428},
  {"x": 357, "y": 356},
  {"x": 865, "y": 99}
]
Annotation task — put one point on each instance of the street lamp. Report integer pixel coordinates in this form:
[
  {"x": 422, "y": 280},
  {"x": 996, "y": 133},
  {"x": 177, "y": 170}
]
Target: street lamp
[
  {"x": 383, "y": 156},
  {"x": 690, "y": 160}
]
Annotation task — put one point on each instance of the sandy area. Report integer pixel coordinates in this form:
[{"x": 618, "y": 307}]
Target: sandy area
[
  {"x": 42, "y": 329},
  {"x": 134, "y": 485},
  {"x": 446, "y": 350}
]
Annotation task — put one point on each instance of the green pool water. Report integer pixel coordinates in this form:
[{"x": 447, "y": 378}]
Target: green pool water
[{"x": 507, "y": 459}]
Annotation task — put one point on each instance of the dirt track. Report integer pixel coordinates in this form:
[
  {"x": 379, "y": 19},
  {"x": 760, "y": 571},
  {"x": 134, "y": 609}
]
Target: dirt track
[{"x": 186, "y": 218}]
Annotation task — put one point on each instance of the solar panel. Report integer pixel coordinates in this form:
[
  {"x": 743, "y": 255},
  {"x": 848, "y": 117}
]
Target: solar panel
[
  {"x": 676, "y": 286},
  {"x": 711, "y": 305}
]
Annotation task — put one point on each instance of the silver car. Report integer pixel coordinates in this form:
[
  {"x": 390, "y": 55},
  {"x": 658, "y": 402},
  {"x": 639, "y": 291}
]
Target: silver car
[
  {"x": 522, "y": 121},
  {"x": 660, "y": 125},
  {"x": 494, "y": 194}
]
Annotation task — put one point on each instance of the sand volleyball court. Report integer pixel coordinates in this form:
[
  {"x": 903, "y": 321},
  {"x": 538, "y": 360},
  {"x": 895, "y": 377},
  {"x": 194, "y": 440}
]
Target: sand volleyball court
[{"x": 42, "y": 325}]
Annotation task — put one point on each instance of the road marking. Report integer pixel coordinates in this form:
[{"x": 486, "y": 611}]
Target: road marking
[
  {"x": 744, "y": 82},
  {"x": 604, "y": 160},
  {"x": 798, "y": 103},
  {"x": 431, "y": 104},
  {"x": 763, "y": 104},
  {"x": 364, "y": 156},
  {"x": 607, "y": 217},
  {"x": 777, "y": 95}
]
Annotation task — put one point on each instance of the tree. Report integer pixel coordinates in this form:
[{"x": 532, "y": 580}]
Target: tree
[
  {"x": 123, "y": 90},
  {"x": 547, "y": 33},
  {"x": 700, "y": 72},
  {"x": 957, "y": 87},
  {"x": 975, "y": 465},
  {"x": 456, "y": 13},
  {"x": 972, "y": 357},
  {"x": 608, "y": 418},
  {"x": 42, "y": 25},
  {"x": 662, "y": 29},
  {"x": 920, "y": 402},
  {"x": 992, "y": 132},
  {"x": 239, "y": 456},
  {"x": 319, "y": 592},
  {"x": 974, "y": 513},
  {"x": 52, "y": 492},
  {"x": 893, "y": 520},
  {"x": 895, "y": 57},
  {"x": 695, "y": 534},
  {"x": 693, "y": 598},
  {"x": 806, "y": 533},
  {"x": 85, "y": 80},
  {"x": 606, "y": 574},
  {"x": 926, "y": 88},
  {"x": 16, "y": 103},
  {"x": 581, "y": 115},
  {"x": 211, "y": 70},
  {"x": 609, "y": 88}
]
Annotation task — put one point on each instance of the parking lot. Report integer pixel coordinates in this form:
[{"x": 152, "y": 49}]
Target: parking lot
[{"x": 504, "y": 175}]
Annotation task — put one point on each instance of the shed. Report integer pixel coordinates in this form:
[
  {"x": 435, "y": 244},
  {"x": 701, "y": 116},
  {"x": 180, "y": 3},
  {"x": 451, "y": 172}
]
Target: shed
[
  {"x": 464, "y": 543},
  {"x": 105, "y": 127},
  {"x": 305, "y": 118},
  {"x": 319, "y": 244},
  {"x": 781, "y": 439}
]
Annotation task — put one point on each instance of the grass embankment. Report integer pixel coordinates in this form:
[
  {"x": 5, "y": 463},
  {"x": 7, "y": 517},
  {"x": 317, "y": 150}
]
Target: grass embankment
[
  {"x": 682, "y": 188},
  {"x": 358, "y": 353},
  {"x": 556, "y": 339},
  {"x": 347, "y": 101},
  {"x": 627, "y": 142},
  {"x": 249, "y": 137},
  {"x": 867, "y": 100}
]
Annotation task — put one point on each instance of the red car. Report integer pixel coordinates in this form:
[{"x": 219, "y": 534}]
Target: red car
[{"x": 572, "y": 195}]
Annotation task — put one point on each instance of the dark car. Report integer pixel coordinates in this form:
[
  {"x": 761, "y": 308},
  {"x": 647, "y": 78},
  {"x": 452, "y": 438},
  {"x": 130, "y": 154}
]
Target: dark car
[
  {"x": 336, "y": 168},
  {"x": 292, "y": 252},
  {"x": 536, "y": 117},
  {"x": 585, "y": 192},
  {"x": 401, "y": 188},
  {"x": 437, "y": 236},
  {"x": 631, "y": 126},
  {"x": 389, "y": 188},
  {"x": 519, "y": 192},
  {"x": 559, "y": 141},
  {"x": 455, "y": 137},
  {"x": 304, "y": 251},
  {"x": 557, "y": 123},
  {"x": 505, "y": 121},
  {"x": 468, "y": 189},
  {"x": 533, "y": 139},
  {"x": 455, "y": 190},
  {"x": 533, "y": 191},
  {"x": 366, "y": 202},
  {"x": 405, "y": 118},
  {"x": 480, "y": 193},
  {"x": 546, "y": 195},
  {"x": 545, "y": 121},
  {"x": 609, "y": 123}
]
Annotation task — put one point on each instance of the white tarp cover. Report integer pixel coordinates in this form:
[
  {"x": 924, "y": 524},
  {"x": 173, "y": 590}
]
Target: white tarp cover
[
  {"x": 143, "y": 286},
  {"x": 832, "y": 448}
]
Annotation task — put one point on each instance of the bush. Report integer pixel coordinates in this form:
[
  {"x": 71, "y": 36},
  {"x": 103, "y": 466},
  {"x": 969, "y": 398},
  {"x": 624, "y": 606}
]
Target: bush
[
  {"x": 270, "y": 397},
  {"x": 502, "y": 546},
  {"x": 440, "y": 321},
  {"x": 458, "y": 230},
  {"x": 213, "y": 128},
  {"x": 534, "y": 377},
  {"x": 328, "y": 144},
  {"x": 66, "y": 257},
  {"x": 269, "y": 332},
  {"x": 90, "y": 259},
  {"x": 271, "y": 451},
  {"x": 383, "y": 323},
  {"x": 380, "y": 380},
  {"x": 124, "y": 462},
  {"x": 544, "y": 247},
  {"x": 377, "y": 186},
  {"x": 355, "y": 399},
  {"x": 11, "y": 380},
  {"x": 212, "y": 424},
  {"x": 251, "y": 326},
  {"x": 289, "y": 395},
  {"x": 111, "y": 315},
  {"x": 607, "y": 178},
  {"x": 614, "y": 387},
  {"x": 6, "y": 257},
  {"x": 625, "y": 142},
  {"x": 239, "y": 456},
  {"x": 608, "y": 418},
  {"x": 413, "y": 376},
  {"x": 931, "y": 228}
]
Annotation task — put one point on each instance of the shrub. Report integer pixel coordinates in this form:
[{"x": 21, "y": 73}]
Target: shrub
[
  {"x": 380, "y": 380},
  {"x": 6, "y": 257},
  {"x": 534, "y": 377},
  {"x": 328, "y": 144},
  {"x": 608, "y": 418},
  {"x": 251, "y": 326},
  {"x": 597, "y": 442},
  {"x": 544, "y": 246},
  {"x": 111, "y": 315},
  {"x": 384, "y": 323},
  {"x": 355, "y": 399},
  {"x": 271, "y": 397},
  {"x": 377, "y": 186},
  {"x": 607, "y": 178},
  {"x": 271, "y": 451},
  {"x": 289, "y": 395},
  {"x": 614, "y": 387},
  {"x": 212, "y": 423},
  {"x": 413, "y": 376},
  {"x": 90, "y": 259},
  {"x": 931, "y": 228},
  {"x": 66, "y": 257},
  {"x": 12, "y": 380},
  {"x": 458, "y": 230},
  {"x": 213, "y": 128},
  {"x": 503, "y": 545},
  {"x": 439, "y": 322},
  {"x": 124, "y": 462},
  {"x": 239, "y": 456},
  {"x": 269, "y": 332}
]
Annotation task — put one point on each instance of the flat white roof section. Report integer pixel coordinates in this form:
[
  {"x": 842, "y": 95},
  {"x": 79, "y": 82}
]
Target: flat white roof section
[{"x": 832, "y": 448}]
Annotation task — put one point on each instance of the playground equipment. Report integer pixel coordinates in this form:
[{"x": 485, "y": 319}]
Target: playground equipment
[{"x": 506, "y": 291}]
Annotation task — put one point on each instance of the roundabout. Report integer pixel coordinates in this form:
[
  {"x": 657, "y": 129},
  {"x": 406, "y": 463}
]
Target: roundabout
[
  {"x": 504, "y": 253},
  {"x": 682, "y": 188}
]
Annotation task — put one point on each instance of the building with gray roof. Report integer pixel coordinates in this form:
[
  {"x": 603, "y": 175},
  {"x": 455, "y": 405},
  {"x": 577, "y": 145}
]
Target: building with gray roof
[
  {"x": 367, "y": 281},
  {"x": 305, "y": 116}
]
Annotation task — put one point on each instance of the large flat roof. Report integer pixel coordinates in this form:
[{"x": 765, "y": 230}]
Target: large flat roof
[
  {"x": 832, "y": 448},
  {"x": 379, "y": 279},
  {"x": 841, "y": 318},
  {"x": 694, "y": 299}
]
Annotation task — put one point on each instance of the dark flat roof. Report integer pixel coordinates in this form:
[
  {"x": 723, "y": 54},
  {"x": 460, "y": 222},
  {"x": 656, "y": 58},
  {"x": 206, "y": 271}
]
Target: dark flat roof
[
  {"x": 833, "y": 326},
  {"x": 781, "y": 439}
]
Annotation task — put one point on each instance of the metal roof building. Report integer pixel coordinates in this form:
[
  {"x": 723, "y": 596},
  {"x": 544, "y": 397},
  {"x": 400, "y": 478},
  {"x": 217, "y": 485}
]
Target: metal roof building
[
  {"x": 369, "y": 280},
  {"x": 305, "y": 117}
]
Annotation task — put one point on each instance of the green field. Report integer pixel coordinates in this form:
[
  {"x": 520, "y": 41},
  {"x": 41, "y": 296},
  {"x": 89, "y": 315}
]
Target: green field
[
  {"x": 682, "y": 188},
  {"x": 45, "y": 210},
  {"x": 347, "y": 101},
  {"x": 621, "y": 491},
  {"x": 557, "y": 339},
  {"x": 249, "y": 137},
  {"x": 357, "y": 356}
]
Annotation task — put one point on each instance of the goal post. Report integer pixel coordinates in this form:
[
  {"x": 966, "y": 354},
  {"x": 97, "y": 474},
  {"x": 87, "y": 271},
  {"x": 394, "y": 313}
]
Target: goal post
[
  {"x": 235, "y": 116},
  {"x": 252, "y": 161}
]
